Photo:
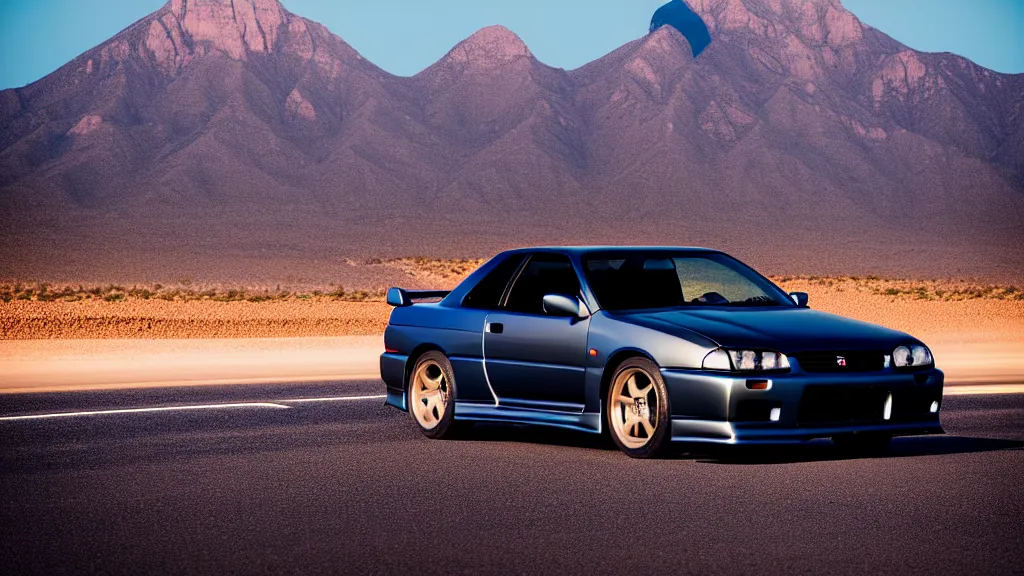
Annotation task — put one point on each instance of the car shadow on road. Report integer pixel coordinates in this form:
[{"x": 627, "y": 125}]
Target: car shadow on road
[
  {"x": 541, "y": 435},
  {"x": 815, "y": 451},
  {"x": 824, "y": 450}
]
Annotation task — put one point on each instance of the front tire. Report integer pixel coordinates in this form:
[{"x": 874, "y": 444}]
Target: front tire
[
  {"x": 432, "y": 396},
  {"x": 637, "y": 409}
]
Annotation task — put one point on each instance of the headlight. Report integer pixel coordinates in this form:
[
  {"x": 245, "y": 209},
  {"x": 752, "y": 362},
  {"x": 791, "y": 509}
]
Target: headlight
[
  {"x": 916, "y": 355},
  {"x": 745, "y": 361}
]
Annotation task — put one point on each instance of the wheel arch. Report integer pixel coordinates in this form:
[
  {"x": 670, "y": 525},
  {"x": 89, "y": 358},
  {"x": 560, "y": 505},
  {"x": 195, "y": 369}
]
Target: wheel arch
[
  {"x": 414, "y": 356},
  {"x": 614, "y": 361}
]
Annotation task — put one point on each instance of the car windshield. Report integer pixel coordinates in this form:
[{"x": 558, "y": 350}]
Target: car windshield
[{"x": 644, "y": 280}]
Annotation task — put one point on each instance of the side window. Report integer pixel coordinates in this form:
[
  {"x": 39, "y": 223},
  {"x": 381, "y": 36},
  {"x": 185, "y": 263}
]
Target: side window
[
  {"x": 486, "y": 295},
  {"x": 544, "y": 274}
]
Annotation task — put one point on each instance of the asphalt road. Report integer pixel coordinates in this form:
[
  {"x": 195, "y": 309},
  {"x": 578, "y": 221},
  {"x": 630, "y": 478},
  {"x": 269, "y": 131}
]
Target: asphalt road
[{"x": 350, "y": 486}]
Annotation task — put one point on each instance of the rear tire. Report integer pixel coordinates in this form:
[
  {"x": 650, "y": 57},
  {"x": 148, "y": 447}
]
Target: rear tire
[
  {"x": 432, "y": 397},
  {"x": 637, "y": 410},
  {"x": 862, "y": 443}
]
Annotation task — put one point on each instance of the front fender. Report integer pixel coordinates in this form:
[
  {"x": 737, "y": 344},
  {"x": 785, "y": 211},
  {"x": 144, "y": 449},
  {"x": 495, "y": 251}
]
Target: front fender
[{"x": 610, "y": 337}]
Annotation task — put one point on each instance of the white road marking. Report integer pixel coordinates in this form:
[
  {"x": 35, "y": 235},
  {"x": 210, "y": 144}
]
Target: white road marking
[
  {"x": 283, "y": 404},
  {"x": 146, "y": 410},
  {"x": 335, "y": 399},
  {"x": 273, "y": 405}
]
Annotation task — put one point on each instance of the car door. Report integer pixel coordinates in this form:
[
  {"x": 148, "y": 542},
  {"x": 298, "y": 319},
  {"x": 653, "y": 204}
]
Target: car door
[{"x": 533, "y": 359}]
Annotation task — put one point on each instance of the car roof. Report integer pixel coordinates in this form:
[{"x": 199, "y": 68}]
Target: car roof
[
  {"x": 579, "y": 250},
  {"x": 575, "y": 251}
]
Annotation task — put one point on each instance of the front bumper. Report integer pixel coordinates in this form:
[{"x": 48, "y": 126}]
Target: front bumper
[{"x": 802, "y": 406}]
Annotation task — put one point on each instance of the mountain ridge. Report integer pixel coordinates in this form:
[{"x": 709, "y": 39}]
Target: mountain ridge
[{"x": 182, "y": 143}]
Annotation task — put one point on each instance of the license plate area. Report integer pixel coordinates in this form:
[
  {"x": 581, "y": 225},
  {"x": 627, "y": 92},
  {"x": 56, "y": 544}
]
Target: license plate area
[{"x": 837, "y": 404}]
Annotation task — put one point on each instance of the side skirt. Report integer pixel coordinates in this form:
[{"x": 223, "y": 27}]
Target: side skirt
[{"x": 583, "y": 422}]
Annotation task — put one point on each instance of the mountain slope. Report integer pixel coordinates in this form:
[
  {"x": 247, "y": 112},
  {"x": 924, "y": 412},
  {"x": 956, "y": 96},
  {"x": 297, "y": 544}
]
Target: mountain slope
[{"x": 218, "y": 138}]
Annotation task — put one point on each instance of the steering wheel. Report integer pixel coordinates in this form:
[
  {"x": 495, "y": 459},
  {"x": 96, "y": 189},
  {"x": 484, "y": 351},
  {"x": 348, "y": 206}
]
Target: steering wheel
[{"x": 711, "y": 298}]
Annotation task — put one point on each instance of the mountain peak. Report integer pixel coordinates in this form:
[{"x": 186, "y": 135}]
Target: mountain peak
[
  {"x": 308, "y": 148},
  {"x": 235, "y": 27},
  {"x": 665, "y": 41},
  {"x": 490, "y": 46},
  {"x": 818, "y": 22},
  {"x": 805, "y": 40}
]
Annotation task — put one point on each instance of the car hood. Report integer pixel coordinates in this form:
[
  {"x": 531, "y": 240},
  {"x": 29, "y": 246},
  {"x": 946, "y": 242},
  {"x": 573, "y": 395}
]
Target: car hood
[{"x": 787, "y": 330}]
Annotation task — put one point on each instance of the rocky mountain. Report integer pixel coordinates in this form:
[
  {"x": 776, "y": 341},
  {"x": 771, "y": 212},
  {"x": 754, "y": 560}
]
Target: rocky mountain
[{"x": 225, "y": 139}]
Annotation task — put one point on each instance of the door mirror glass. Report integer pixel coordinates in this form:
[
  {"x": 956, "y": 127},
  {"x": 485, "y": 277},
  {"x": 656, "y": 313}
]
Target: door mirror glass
[
  {"x": 800, "y": 298},
  {"x": 561, "y": 305}
]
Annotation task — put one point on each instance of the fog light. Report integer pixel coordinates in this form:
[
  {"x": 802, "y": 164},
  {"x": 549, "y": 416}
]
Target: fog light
[
  {"x": 935, "y": 407},
  {"x": 776, "y": 414},
  {"x": 887, "y": 414}
]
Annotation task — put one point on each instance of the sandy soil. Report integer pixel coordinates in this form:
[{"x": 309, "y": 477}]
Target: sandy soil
[
  {"x": 61, "y": 365},
  {"x": 975, "y": 321},
  {"x": 979, "y": 320},
  {"x": 974, "y": 341},
  {"x": 97, "y": 344},
  {"x": 27, "y": 320}
]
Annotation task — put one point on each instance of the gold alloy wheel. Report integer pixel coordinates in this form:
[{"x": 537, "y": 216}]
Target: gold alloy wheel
[
  {"x": 429, "y": 394},
  {"x": 634, "y": 412}
]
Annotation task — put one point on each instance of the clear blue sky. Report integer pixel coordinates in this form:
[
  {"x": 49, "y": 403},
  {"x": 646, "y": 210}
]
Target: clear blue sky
[{"x": 405, "y": 36}]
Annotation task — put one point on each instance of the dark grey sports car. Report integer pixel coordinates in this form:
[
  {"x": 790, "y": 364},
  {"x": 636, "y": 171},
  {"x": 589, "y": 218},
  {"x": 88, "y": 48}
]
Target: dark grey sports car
[{"x": 652, "y": 345}]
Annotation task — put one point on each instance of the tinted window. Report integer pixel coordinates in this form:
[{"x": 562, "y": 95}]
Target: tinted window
[
  {"x": 488, "y": 292},
  {"x": 544, "y": 274},
  {"x": 699, "y": 276},
  {"x": 640, "y": 280}
]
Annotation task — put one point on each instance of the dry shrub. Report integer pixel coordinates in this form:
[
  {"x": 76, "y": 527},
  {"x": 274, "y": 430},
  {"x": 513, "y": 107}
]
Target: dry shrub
[
  {"x": 938, "y": 290},
  {"x": 139, "y": 318},
  {"x": 32, "y": 292},
  {"x": 446, "y": 272},
  {"x": 190, "y": 310}
]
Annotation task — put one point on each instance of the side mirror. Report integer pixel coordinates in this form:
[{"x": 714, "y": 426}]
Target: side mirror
[
  {"x": 562, "y": 305},
  {"x": 800, "y": 298}
]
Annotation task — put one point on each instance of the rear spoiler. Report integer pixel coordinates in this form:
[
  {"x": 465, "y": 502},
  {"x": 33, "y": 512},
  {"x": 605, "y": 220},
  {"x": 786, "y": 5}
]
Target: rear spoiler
[{"x": 401, "y": 298}]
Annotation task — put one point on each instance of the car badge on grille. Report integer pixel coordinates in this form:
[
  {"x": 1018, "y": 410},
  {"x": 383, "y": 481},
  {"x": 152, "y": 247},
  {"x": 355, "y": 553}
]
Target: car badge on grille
[{"x": 841, "y": 361}]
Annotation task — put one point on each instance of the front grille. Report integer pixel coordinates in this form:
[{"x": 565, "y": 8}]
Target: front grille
[
  {"x": 842, "y": 404},
  {"x": 839, "y": 361}
]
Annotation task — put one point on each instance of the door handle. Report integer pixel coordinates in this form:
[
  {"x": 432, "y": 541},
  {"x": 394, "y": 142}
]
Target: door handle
[{"x": 495, "y": 327}]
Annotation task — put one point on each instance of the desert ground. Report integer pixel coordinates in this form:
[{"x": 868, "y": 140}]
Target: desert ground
[{"x": 71, "y": 336}]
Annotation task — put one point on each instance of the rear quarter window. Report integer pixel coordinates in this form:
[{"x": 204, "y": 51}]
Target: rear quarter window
[{"x": 486, "y": 295}]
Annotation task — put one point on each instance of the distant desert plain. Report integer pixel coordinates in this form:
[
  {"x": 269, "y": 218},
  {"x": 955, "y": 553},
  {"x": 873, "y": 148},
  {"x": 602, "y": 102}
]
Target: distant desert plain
[{"x": 148, "y": 334}]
